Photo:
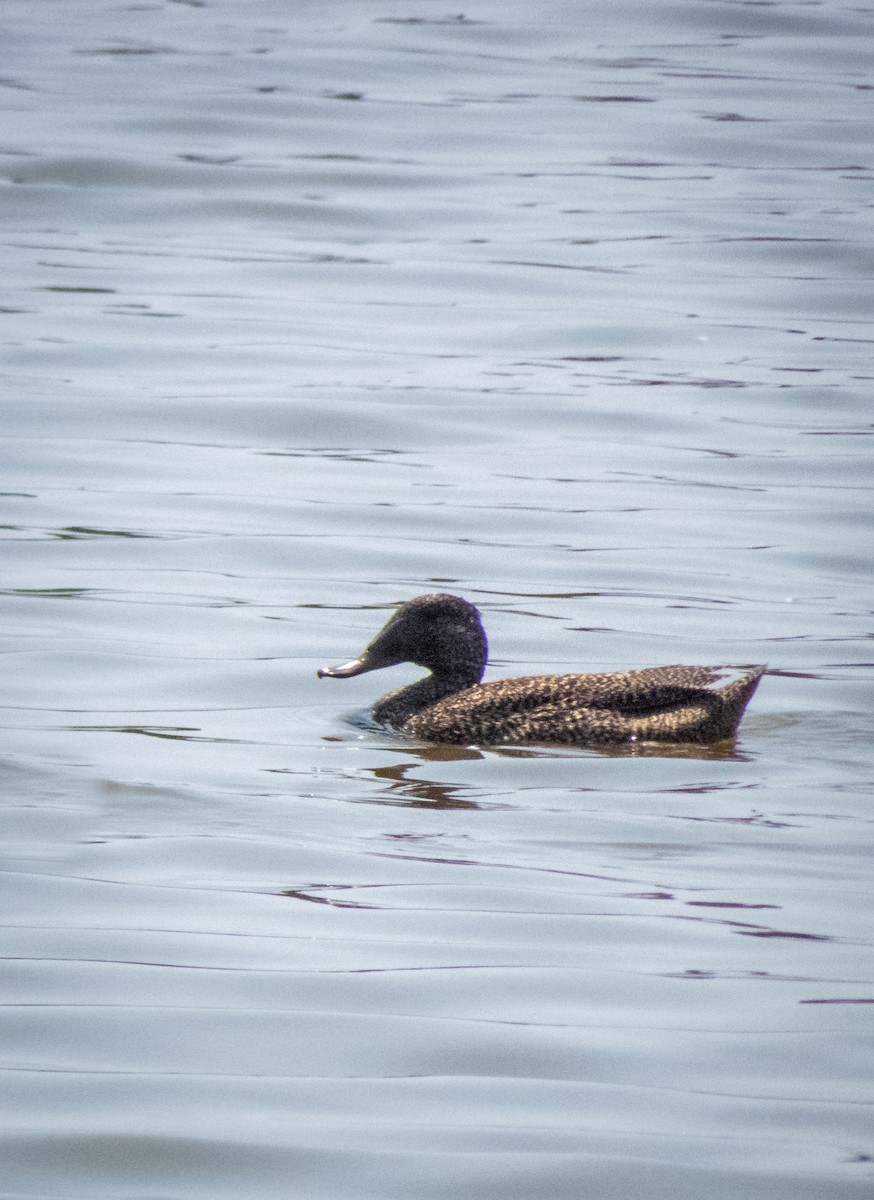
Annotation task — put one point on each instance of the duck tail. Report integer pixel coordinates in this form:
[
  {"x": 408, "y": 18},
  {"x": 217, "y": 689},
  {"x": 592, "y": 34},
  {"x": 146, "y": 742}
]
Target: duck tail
[{"x": 737, "y": 695}]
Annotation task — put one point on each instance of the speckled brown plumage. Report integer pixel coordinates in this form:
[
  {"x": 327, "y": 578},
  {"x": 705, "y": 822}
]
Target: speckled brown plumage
[{"x": 444, "y": 634}]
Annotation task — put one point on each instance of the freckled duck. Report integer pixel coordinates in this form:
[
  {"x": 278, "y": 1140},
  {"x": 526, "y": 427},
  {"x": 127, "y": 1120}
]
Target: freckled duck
[{"x": 445, "y": 635}]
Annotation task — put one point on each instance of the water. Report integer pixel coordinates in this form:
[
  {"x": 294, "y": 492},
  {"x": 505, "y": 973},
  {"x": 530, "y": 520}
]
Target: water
[{"x": 309, "y": 309}]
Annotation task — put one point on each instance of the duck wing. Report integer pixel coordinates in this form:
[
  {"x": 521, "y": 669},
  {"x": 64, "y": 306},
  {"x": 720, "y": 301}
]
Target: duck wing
[{"x": 676, "y": 703}]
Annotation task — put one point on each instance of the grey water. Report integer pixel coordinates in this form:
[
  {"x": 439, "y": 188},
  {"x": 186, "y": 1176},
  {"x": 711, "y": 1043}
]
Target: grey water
[{"x": 310, "y": 308}]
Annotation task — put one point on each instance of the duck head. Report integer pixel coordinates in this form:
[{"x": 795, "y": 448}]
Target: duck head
[{"x": 442, "y": 633}]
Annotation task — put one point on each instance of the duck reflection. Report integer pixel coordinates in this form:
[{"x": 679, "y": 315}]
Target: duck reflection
[{"x": 403, "y": 789}]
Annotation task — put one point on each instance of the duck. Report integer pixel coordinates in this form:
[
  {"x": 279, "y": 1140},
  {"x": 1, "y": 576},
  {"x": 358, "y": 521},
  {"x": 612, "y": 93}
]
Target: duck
[{"x": 445, "y": 635}]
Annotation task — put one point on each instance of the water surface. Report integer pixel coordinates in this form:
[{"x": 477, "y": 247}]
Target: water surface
[{"x": 313, "y": 308}]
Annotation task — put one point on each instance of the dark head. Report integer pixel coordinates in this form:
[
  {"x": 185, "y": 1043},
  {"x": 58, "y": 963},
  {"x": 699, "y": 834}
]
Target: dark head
[{"x": 442, "y": 633}]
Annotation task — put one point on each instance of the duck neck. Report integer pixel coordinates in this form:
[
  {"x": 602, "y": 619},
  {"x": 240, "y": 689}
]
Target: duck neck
[{"x": 397, "y": 707}]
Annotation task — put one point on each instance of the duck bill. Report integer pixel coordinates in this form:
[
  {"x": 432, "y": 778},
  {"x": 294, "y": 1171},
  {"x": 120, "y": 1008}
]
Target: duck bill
[
  {"x": 383, "y": 651},
  {"x": 358, "y": 666}
]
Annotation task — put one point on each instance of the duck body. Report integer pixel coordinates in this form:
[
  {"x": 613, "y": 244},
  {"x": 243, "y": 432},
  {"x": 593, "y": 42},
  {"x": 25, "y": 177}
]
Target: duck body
[{"x": 444, "y": 634}]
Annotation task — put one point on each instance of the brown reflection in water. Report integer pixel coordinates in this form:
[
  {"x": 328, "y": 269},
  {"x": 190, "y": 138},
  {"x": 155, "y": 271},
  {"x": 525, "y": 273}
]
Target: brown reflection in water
[
  {"x": 747, "y": 929},
  {"x": 716, "y": 752},
  {"x": 843, "y": 1000},
  {"x": 785, "y": 933},
  {"x": 647, "y": 895},
  {"x": 759, "y": 976},
  {"x": 757, "y": 819},
  {"x": 420, "y": 793},
  {"x": 173, "y": 733},
  {"x": 316, "y": 894},
  {"x": 77, "y": 532},
  {"x": 446, "y": 752}
]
